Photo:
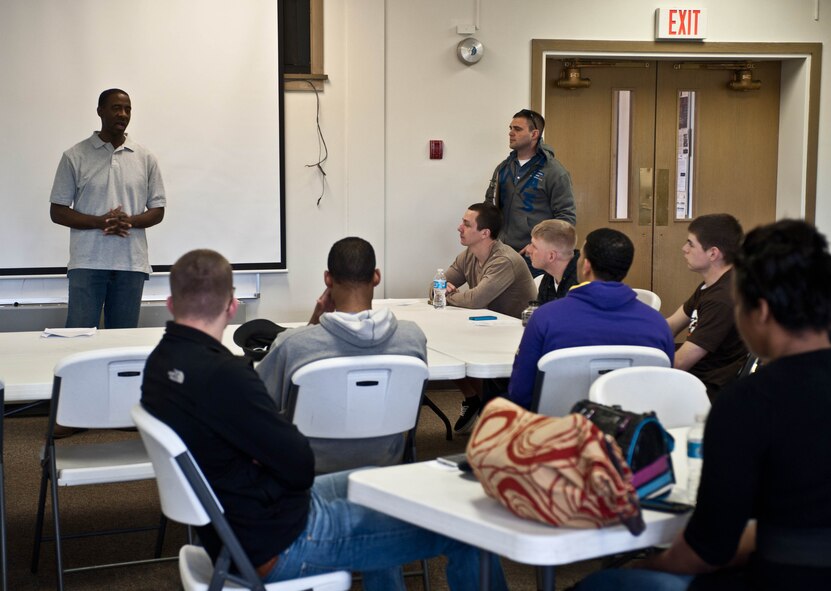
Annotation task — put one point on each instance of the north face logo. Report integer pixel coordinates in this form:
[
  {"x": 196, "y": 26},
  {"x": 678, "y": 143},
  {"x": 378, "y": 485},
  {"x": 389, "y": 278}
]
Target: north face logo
[{"x": 176, "y": 375}]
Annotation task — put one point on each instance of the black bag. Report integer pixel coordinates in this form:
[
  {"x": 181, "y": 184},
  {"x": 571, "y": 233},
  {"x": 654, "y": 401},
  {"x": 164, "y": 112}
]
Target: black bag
[
  {"x": 256, "y": 336},
  {"x": 645, "y": 444}
]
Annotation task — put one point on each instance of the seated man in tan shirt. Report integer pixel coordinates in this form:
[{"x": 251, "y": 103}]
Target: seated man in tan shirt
[{"x": 497, "y": 277}]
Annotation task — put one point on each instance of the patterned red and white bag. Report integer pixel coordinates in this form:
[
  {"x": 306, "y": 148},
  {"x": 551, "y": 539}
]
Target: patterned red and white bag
[{"x": 557, "y": 470}]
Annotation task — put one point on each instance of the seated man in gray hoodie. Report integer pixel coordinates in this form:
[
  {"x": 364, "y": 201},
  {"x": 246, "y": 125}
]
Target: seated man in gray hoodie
[{"x": 344, "y": 324}]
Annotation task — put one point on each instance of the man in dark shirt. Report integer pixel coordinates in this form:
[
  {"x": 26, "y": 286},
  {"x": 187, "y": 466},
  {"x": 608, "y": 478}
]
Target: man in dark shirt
[
  {"x": 552, "y": 251},
  {"x": 712, "y": 351},
  {"x": 259, "y": 465},
  {"x": 767, "y": 453}
]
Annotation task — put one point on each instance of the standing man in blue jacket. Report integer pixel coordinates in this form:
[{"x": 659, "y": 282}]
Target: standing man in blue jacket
[{"x": 530, "y": 185}]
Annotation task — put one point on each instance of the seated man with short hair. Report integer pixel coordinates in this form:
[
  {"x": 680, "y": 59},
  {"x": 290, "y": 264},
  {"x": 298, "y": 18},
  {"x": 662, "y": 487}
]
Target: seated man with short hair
[
  {"x": 260, "y": 466},
  {"x": 552, "y": 251},
  {"x": 497, "y": 277},
  {"x": 713, "y": 350},
  {"x": 344, "y": 324},
  {"x": 599, "y": 311}
]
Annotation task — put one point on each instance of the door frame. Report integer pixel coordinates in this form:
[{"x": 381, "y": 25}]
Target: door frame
[{"x": 796, "y": 184}]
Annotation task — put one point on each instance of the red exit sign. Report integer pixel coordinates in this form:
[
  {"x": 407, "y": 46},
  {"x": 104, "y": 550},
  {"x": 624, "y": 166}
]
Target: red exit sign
[{"x": 680, "y": 23}]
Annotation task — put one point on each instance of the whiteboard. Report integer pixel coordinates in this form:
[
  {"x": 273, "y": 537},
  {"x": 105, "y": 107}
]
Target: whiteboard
[{"x": 203, "y": 77}]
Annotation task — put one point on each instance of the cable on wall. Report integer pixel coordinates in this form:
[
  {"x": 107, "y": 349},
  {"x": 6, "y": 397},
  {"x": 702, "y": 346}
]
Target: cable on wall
[{"x": 322, "y": 149}]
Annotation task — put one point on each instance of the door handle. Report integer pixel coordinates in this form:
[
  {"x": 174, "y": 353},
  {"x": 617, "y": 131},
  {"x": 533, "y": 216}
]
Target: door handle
[
  {"x": 645, "y": 197},
  {"x": 662, "y": 197}
]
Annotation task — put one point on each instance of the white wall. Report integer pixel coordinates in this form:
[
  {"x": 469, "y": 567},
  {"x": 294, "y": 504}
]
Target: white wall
[
  {"x": 352, "y": 116},
  {"x": 395, "y": 83}
]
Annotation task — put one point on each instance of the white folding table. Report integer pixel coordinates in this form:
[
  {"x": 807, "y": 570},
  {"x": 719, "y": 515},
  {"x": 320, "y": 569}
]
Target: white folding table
[
  {"x": 27, "y": 360},
  {"x": 487, "y": 347},
  {"x": 450, "y": 502},
  {"x": 447, "y": 501}
]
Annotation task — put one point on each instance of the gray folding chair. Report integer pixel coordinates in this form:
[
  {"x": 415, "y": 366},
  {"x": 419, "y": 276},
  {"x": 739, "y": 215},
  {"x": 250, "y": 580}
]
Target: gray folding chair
[
  {"x": 565, "y": 375},
  {"x": 93, "y": 390},
  {"x": 187, "y": 497}
]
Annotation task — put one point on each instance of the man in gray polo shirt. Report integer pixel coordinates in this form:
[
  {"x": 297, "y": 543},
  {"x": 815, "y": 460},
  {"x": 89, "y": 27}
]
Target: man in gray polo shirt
[{"x": 107, "y": 190}]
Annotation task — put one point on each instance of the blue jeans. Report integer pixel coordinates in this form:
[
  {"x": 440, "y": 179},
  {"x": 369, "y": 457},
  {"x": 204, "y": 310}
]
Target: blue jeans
[
  {"x": 118, "y": 292},
  {"x": 341, "y": 535},
  {"x": 634, "y": 579}
]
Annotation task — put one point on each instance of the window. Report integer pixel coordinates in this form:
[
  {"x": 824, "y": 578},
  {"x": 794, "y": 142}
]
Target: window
[
  {"x": 621, "y": 148},
  {"x": 302, "y": 55},
  {"x": 685, "y": 155}
]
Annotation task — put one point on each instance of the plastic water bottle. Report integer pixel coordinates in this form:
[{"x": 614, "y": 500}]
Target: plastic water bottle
[
  {"x": 526, "y": 313},
  {"x": 439, "y": 290},
  {"x": 695, "y": 447}
]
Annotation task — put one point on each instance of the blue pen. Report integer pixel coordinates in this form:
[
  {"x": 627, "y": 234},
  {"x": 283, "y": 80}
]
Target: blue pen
[{"x": 481, "y": 318}]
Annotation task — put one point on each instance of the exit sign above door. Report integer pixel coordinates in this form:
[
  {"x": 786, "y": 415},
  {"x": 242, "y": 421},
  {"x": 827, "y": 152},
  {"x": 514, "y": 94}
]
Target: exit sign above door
[{"x": 680, "y": 23}]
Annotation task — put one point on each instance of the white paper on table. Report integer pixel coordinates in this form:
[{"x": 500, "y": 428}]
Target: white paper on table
[{"x": 68, "y": 332}]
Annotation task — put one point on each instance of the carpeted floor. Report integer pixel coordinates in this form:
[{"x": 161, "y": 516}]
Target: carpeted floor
[{"x": 136, "y": 504}]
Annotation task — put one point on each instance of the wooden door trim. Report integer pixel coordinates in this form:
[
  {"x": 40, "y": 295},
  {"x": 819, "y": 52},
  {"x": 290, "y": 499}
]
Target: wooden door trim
[{"x": 541, "y": 48}]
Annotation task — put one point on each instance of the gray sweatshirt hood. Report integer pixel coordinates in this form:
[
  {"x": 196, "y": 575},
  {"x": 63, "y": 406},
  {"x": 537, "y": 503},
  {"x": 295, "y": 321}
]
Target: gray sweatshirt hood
[{"x": 363, "y": 329}]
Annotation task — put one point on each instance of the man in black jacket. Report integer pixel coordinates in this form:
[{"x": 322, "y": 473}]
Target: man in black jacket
[
  {"x": 552, "y": 251},
  {"x": 259, "y": 465}
]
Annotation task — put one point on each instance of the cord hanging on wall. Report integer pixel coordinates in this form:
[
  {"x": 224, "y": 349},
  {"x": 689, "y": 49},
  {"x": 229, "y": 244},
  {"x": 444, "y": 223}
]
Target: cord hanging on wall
[{"x": 322, "y": 149}]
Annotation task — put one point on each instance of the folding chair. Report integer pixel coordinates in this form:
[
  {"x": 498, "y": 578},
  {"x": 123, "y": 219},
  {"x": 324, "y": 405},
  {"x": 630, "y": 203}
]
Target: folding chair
[
  {"x": 187, "y": 497},
  {"x": 360, "y": 397},
  {"x": 675, "y": 396},
  {"x": 564, "y": 376},
  {"x": 93, "y": 390},
  {"x": 650, "y": 298}
]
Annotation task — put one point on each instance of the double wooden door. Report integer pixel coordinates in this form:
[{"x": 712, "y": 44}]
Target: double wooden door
[{"x": 652, "y": 144}]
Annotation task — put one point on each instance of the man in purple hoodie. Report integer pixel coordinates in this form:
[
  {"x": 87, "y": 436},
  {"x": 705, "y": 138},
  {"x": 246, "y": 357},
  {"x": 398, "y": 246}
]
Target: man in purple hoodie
[{"x": 599, "y": 311}]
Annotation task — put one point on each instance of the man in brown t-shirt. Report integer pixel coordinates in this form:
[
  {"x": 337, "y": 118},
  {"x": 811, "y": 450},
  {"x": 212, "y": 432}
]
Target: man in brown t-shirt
[{"x": 713, "y": 350}]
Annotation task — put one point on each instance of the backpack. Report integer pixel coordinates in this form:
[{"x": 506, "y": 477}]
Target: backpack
[{"x": 645, "y": 444}]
